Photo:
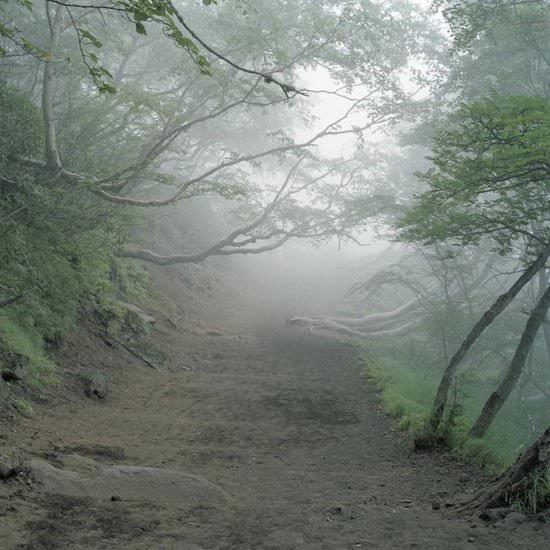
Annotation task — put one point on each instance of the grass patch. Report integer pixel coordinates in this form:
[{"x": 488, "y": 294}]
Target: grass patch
[
  {"x": 537, "y": 497},
  {"x": 23, "y": 407},
  {"x": 407, "y": 394},
  {"x": 408, "y": 391}
]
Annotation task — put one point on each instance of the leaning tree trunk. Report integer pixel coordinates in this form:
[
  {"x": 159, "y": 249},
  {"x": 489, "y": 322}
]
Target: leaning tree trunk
[
  {"x": 508, "y": 383},
  {"x": 440, "y": 402},
  {"x": 515, "y": 483},
  {"x": 543, "y": 283}
]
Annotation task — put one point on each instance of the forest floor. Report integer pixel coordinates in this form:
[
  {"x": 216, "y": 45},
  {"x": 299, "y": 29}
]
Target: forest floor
[{"x": 284, "y": 426}]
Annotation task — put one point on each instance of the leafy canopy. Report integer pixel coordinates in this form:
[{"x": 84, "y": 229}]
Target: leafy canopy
[
  {"x": 137, "y": 12},
  {"x": 490, "y": 175}
]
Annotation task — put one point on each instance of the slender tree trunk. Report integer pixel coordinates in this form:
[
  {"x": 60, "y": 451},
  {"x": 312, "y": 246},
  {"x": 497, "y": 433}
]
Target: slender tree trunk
[
  {"x": 516, "y": 481},
  {"x": 52, "y": 155},
  {"x": 438, "y": 407},
  {"x": 543, "y": 283},
  {"x": 499, "y": 396}
]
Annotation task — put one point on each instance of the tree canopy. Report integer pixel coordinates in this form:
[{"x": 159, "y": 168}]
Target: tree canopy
[{"x": 490, "y": 175}]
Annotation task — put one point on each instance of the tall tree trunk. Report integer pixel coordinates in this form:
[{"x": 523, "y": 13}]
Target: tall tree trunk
[
  {"x": 499, "y": 396},
  {"x": 517, "y": 480},
  {"x": 440, "y": 402},
  {"x": 52, "y": 155},
  {"x": 543, "y": 283}
]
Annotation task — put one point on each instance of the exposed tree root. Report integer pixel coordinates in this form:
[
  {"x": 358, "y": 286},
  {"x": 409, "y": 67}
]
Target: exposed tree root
[{"x": 517, "y": 481}]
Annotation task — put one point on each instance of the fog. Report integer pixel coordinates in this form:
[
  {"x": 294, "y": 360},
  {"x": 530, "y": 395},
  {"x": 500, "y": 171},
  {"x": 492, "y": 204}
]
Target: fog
[{"x": 366, "y": 173}]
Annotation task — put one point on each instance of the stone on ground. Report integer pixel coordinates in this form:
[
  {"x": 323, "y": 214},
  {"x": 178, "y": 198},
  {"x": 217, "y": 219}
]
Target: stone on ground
[
  {"x": 141, "y": 483},
  {"x": 11, "y": 462}
]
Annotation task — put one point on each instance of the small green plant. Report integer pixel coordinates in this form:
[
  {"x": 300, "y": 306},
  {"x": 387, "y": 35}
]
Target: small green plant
[
  {"x": 23, "y": 407},
  {"x": 536, "y": 497}
]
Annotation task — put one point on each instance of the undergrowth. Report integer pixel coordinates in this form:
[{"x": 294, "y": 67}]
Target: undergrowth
[
  {"x": 409, "y": 382},
  {"x": 537, "y": 496},
  {"x": 15, "y": 338}
]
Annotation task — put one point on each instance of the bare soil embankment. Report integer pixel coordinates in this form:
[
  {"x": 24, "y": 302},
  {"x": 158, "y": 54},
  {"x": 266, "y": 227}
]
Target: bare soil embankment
[{"x": 281, "y": 427}]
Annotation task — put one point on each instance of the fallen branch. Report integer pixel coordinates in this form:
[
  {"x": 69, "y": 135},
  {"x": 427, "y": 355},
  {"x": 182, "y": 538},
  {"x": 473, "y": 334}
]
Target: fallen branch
[{"x": 327, "y": 325}]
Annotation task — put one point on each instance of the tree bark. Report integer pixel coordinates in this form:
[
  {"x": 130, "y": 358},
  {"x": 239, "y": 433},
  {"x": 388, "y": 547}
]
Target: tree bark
[
  {"x": 543, "y": 284},
  {"x": 52, "y": 155},
  {"x": 440, "y": 402},
  {"x": 329, "y": 327},
  {"x": 501, "y": 394},
  {"x": 516, "y": 481}
]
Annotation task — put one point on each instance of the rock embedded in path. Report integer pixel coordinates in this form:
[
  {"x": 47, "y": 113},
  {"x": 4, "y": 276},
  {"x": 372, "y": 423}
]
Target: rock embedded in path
[
  {"x": 14, "y": 367},
  {"x": 11, "y": 462},
  {"x": 96, "y": 385},
  {"x": 127, "y": 483}
]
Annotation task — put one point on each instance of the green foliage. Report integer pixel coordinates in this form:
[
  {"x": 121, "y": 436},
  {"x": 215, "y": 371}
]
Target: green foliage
[
  {"x": 56, "y": 240},
  {"x": 408, "y": 395},
  {"x": 509, "y": 55},
  {"x": 14, "y": 337},
  {"x": 137, "y": 12},
  {"x": 56, "y": 246},
  {"x": 20, "y": 128},
  {"x": 471, "y": 22},
  {"x": 23, "y": 407},
  {"x": 13, "y": 34},
  {"x": 131, "y": 279},
  {"x": 537, "y": 496},
  {"x": 490, "y": 175},
  {"x": 408, "y": 370}
]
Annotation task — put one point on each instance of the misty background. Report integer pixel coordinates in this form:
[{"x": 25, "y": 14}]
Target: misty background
[{"x": 370, "y": 172}]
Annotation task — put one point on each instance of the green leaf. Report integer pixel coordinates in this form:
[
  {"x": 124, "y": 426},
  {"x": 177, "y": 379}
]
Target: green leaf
[
  {"x": 140, "y": 16},
  {"x": 89, "y": 36},
  {"x": 106, "y": 88},
  {"x": 140, "y": 28}
]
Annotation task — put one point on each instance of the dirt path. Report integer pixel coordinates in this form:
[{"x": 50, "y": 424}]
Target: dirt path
[{"x": 283, "y": 422}]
